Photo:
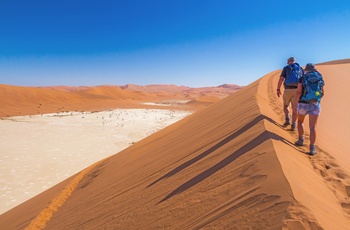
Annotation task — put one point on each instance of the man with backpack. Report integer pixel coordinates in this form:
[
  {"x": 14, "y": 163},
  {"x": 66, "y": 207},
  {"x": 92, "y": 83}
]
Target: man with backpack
[
  {"x": 308, "y": 96},
  {"x": 289, "y": 77}
]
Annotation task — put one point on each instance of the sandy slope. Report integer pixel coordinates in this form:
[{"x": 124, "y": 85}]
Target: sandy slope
[
  {"x": 320, "y": 184},
  {"x": 37, "y": 152},
  {"x": 230, "y": 166}
]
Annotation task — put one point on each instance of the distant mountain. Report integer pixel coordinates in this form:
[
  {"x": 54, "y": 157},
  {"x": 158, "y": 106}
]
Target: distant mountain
[
  {"x": 155, "y": 88},
  {"x": 178, "y": 89}
]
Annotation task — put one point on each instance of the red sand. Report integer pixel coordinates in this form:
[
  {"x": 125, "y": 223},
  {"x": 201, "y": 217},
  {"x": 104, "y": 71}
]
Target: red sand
[
  {"x": 16, "y": 100},
  {"x": 228, "y": 166}
]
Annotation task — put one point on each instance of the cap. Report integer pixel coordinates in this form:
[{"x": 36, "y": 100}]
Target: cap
[{"x": 292, "y": 59}]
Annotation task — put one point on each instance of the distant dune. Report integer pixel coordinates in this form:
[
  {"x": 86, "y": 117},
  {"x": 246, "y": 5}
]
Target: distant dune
[
  {"x": 16, "y": 100},
  {"x": 228, "y": 166},
  {"x": 343, "y": 61}
]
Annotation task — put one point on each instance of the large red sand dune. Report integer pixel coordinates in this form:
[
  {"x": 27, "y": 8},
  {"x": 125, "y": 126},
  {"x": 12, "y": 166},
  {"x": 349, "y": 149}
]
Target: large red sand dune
[
  {"x": 16, "y": 100},
  {"x": 229, "y": 166}
]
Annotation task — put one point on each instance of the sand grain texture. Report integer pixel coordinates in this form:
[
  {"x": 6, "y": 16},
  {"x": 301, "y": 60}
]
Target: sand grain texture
[{"x": 229, "y": 166}]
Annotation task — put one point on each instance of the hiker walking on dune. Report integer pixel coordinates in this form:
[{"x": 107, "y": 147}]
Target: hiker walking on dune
[
  {"x": 308, "y": 96},
  {"x": 289, "y": 77}
]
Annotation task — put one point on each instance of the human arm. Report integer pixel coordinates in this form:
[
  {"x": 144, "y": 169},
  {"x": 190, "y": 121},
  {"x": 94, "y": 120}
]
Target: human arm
[{"x": 280, "y": 81}]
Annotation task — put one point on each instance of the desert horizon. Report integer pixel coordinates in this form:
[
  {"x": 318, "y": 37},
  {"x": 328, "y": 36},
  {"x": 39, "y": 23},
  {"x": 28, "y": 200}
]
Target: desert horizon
[
  {"x": 225, "y": 163},
  {"x": 22, "y": 100},
  {"x": 134, "y": 113},
  {"x": 169, "y": 115}
]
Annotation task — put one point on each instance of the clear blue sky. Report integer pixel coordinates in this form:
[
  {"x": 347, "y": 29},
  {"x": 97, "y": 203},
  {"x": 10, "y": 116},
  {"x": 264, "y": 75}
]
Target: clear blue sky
[{"x": 192, "y": 43}]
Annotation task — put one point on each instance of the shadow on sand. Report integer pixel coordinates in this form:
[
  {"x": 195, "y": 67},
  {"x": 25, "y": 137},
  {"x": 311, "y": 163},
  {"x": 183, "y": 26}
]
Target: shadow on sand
[{"x": 266, "y": 135}]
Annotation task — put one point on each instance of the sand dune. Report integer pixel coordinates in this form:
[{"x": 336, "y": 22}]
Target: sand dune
[
  {"x": 343, "y": 61},
  {"x": 40, "y": 151},
  {"x": 18, "y": 101},
  {"x": 229, "y": 166}
]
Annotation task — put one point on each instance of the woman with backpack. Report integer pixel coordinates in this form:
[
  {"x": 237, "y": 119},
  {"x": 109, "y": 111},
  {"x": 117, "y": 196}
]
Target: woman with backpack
[{"x": 308, "y": 97}]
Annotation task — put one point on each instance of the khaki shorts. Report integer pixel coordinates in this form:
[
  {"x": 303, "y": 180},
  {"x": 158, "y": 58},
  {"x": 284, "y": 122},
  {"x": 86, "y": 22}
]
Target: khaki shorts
[{"x": 288, "y": 95}]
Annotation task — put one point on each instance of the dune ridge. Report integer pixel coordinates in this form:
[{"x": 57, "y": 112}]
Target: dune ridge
[
  {"x": 313, "y": 191},
  {"x": 228, "y": 166},
  {"x": 212, "y": 160},
  {"x": 335, "y": 62},
  {"x": 18, "y": 100},
  {"x": 40, "y": 221}
]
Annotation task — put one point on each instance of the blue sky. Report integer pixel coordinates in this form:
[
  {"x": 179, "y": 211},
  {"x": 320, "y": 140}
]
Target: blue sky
[{"x": 192, "y": 43}]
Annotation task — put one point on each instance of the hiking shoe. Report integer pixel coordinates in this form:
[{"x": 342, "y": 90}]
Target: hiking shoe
[
  {"x": 313, "y": 150},
  {"x": 286, "y": 123},
  {"x": 300, "y": 142},
  {"x": 292, "y": 127}
]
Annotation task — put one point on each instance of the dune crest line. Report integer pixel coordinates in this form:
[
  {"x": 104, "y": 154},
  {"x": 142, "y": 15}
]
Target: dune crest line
[{"x": 40, "y": 221}]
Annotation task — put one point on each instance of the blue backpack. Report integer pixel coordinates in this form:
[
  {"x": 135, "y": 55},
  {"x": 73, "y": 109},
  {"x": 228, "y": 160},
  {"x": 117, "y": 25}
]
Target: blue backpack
[
  {"x": 312, "y": 84},
  {"x": 294, "y": 72}
]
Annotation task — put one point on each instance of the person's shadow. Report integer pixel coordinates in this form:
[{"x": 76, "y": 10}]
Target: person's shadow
[{"x": 266, "y": 135}]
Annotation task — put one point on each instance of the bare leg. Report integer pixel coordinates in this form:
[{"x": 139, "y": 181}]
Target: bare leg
[
  {"x": 286, "y": 113},
  {"x": 312, "y": 124},
  {"x": 294, "y": 114},
  {"x": 301, "y": 126}
]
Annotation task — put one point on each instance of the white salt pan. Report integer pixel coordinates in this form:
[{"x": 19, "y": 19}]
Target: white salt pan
[{"x": 37, "y": 152}]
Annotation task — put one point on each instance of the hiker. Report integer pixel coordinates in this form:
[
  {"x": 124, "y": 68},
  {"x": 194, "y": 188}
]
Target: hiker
[
  {"x": 308, "y": 96},
  {"x": 289, "y": 77}
]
